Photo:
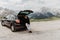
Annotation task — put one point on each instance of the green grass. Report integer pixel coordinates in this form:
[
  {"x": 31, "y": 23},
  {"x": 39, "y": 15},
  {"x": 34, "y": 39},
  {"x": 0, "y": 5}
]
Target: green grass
[{"x": 46, "y": 19}]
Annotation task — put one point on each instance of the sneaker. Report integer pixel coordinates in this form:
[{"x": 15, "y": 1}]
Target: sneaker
[{"x": 30, "y": 31}]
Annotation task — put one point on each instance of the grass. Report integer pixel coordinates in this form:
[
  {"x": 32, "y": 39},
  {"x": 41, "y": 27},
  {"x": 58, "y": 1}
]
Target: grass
[{"x": 46, "y": 19}]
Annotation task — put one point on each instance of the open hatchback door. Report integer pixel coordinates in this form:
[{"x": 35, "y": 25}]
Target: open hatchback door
[{"x": 25, "y": 12}]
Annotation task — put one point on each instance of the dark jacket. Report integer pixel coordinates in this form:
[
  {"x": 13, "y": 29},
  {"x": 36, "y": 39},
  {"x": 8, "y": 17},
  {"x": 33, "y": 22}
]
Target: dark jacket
[{"x": 23, "y": 21}]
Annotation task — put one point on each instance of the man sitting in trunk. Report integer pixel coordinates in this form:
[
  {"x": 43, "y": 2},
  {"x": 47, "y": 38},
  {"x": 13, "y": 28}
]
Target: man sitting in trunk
[{"x": 24, "y": 20}]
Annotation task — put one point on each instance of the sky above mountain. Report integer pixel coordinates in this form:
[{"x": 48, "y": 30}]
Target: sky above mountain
[{"x": 29, "y": 4}]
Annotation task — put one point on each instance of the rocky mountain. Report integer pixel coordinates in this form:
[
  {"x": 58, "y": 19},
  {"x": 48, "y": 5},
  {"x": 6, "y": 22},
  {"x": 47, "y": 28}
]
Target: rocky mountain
[
  {"x": 46, "y": 13},
  {"x": 5, "y": 11},
  {"x": 42, "y": 13}
]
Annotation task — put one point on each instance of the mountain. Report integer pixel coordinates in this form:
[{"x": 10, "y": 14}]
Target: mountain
[
  {"x": 5, "y": 11},
  {"x": 45, "y": 13},
  {"x": 42, "y": 13}
]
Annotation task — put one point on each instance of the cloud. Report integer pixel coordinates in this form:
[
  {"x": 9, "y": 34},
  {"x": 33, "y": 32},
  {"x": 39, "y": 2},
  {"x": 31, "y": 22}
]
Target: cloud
[
  {"x": 29, "y": 4},
  {"x": 46, "y": 3}
]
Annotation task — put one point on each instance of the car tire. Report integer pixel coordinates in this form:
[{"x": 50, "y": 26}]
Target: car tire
[
  {"x": 13, "y": 29},
  {"x": 2, "y": 24}
]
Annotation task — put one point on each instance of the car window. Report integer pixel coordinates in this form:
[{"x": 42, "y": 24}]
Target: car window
[{"x": 11, "y": 17}]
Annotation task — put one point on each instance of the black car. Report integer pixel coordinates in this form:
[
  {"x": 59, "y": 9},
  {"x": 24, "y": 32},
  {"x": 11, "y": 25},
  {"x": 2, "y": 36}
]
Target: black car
[{"x": 13, "y": 22}]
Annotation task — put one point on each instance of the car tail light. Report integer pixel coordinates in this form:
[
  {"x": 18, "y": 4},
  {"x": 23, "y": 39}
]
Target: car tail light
[{"x": 17, "y": 21}]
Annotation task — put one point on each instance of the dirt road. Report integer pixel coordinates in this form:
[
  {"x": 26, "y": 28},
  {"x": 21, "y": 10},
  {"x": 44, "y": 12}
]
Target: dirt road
[{"x": 49, "y": 30}]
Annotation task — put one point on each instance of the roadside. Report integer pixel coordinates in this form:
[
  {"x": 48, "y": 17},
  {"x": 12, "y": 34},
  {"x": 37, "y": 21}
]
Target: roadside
[
  {"x": 45, "y": 25},
  {"x": 45, "y": 19},
  {"x": 49, "y": 30}
]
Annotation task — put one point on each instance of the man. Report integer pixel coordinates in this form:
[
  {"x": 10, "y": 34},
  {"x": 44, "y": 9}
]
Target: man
[{"x": 24, "y": 20}]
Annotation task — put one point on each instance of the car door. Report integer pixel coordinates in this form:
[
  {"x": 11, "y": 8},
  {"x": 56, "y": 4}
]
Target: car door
[
  {"x": 10, "y": 18},
  {"x": 6, "y": 21}
]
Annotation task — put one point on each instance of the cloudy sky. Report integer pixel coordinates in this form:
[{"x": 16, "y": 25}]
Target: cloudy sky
[{"x": 29, "y": 4}]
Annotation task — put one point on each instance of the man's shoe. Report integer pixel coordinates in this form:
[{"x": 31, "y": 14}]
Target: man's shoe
[{"x": 30, "y": 31}]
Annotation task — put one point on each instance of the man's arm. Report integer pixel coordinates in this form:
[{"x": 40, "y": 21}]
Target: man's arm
[{"x": 28, "y": 20}]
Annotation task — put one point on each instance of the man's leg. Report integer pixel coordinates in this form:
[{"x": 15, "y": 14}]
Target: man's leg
[{"x": 28, "y": 27}]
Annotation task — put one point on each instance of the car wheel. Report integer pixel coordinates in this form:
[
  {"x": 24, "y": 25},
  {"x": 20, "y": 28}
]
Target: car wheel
[
  {"x": 13, "y": 29},
  {"x": 2, "y": 24}
]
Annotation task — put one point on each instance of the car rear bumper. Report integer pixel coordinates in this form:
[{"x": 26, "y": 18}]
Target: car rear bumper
[{"x": 18, "y": 26}]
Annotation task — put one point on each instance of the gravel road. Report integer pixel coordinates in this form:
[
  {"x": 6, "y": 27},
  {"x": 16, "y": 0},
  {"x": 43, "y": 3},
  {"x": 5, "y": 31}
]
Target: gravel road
[{"x": 48, "y": 30}]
